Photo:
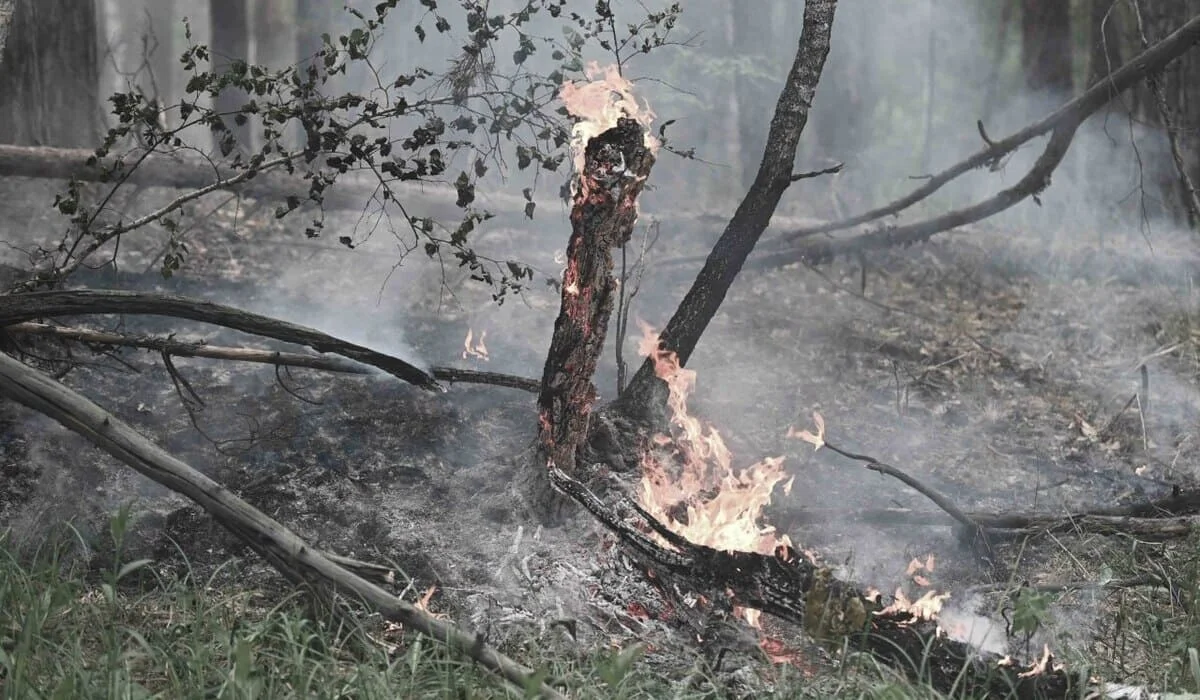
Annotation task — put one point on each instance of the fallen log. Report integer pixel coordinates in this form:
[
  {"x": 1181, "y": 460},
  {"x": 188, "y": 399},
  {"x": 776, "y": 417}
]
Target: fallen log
[
  {"x": 292, "y": 556},
  {"x": 838, "y": 613},
  {"x": 19, "y": 308}
]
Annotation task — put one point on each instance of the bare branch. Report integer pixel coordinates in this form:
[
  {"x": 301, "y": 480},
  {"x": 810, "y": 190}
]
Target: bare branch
[
  {"x": 1150, "y": 61},
  {"x": 832, "y": 170},
  {"x": 18, "y": 308},
  {"x": 1037, "y": 179}
]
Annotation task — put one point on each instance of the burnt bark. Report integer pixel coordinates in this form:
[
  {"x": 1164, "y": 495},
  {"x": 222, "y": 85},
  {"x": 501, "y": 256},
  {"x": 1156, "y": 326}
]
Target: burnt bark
[
  {"x": 616, "y": 165},
  {"x": 1046, "y": 45},
  {"x": 50, "y": 74},
  {"x": 18, "y": 308},
  {"x": 683, "y": 331}
]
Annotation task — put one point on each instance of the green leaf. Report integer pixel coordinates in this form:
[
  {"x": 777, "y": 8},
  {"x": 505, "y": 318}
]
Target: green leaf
[{"x": 132, "y": 567}]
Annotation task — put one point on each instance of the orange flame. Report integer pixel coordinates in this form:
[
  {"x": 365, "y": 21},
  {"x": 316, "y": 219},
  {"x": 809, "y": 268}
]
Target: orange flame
[
  {"x": 924, "y": 608},
  {"x": 722, "y": 506},
  {"x": 473, "y": 348},
  {"x": 598, "y": 103}
]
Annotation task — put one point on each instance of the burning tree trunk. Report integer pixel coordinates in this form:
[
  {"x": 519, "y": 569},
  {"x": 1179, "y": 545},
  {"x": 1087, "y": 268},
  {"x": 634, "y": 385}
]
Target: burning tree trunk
[
  {"x": 615, "y": 166},
  {"x": 683, "y": 331}
]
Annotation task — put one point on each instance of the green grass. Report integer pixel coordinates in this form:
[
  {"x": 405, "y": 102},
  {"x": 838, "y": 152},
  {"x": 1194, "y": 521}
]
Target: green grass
[{"x": 68, "y": 630}]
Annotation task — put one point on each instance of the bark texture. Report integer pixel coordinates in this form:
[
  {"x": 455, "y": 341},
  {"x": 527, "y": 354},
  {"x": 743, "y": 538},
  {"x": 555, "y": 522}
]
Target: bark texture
[
  {"x": 50, "y": 76},
  {"x": 616, "y": 166},
  {"x": 683, "y": 331}
]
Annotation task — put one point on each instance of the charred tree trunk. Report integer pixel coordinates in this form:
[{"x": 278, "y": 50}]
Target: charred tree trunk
[
  {"x": 6, "y": 15},
  {"x": 615, "y": 169},
  {"x": 50, "y": 75},
  {"x": 683, "y": 331},
  {"x": 1046, "y": 45},
  {"x": 230, "y": 46}
]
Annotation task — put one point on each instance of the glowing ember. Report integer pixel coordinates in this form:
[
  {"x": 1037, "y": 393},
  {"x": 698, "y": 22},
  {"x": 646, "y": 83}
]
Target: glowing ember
[
  {"x": 692, "y": 470},
  {"x": 473, "y": 348},
  {"x": 598, "y": 104}
]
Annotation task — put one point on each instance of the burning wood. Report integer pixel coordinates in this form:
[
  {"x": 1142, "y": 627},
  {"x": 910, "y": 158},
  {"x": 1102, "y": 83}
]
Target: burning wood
[{"x": 613, "y": 157}]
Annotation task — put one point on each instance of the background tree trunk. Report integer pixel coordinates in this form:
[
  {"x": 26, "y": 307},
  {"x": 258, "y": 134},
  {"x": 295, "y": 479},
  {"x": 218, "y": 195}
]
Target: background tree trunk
[
  {"x": 753, "y": 25},
  {"x": 50, "y": 79},
  {"x": 1046, "y": 45},
  {"x": 230, "y": 42}
]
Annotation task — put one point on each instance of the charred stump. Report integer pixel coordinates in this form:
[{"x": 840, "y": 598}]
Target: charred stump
[{"x": 616, "y": 165}]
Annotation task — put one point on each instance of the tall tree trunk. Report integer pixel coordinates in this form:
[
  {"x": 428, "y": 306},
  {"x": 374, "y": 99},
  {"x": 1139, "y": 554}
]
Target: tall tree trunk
[
  {"x": 138, "y": 38},
  {"x": 1104, "y": 39},
  {"x": 1046, "y": 45},
  {"x": 698, "y": 307},
  {"x": 50, "y": 76},
  {"x": 274, "y": 33},
  {"x": 230, "y": 43}
]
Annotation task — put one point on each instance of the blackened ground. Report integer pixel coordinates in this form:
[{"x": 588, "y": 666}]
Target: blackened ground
[{"x": 997, "y": 375}]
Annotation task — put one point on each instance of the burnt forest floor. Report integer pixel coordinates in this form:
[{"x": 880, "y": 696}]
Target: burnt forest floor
[{"x": 996, "y": 365}]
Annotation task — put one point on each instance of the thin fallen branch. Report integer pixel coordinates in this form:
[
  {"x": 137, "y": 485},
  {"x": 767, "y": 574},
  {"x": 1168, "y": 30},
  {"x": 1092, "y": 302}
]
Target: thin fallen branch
[
  {"x": 938, "y": 499},
  {"x": 180, "y": 348},
  {"x": 998, "y": 526},
  {"x": 19, "y": 308},
  {"x": 294, "y": 557},
  {"x": 1150, "y": 61},
  {"x": 277, "y": 358},
  {"x": 471, "y": 376}
]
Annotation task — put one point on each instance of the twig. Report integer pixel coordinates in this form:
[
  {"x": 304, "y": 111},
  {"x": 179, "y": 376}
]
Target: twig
[
  {"x": 1134, "y": 582},
  {"x": 831, "y": 170}
]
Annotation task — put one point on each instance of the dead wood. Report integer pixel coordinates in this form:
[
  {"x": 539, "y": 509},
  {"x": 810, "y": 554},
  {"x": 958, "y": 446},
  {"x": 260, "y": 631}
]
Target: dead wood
[
  {"x": 815, "y": 251},
  {"x": 472, "y": 376},
  {"x": 775, "y": 172},
  {"x": 269, "y": 357},
  {"x": 19, "y": 308},
  {"x": 1149, "y": 62},
  {"x": 291, "y": 555},
  {"x": 616, "y": 166},
  {"x": 794, "y": 588}
]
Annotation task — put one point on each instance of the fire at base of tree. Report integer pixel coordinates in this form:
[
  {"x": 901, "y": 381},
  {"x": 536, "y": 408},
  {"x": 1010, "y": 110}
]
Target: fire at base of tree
[{"x": 911, "y": 412}]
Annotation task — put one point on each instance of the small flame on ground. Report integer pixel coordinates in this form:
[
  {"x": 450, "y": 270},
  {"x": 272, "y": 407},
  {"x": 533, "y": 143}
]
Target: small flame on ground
[
  {"x": 423, "y": 603},
  {"x": 925, "y": 608},
  {"x": 475, "y": 348},
  {"x": 598, "y": 103}
]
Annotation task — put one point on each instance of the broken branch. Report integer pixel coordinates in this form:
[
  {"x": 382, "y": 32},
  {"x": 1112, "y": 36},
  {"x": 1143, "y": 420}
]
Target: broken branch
[
  {"x": 1150, "y": 61},
  {"x": 19, "y": 308}
]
